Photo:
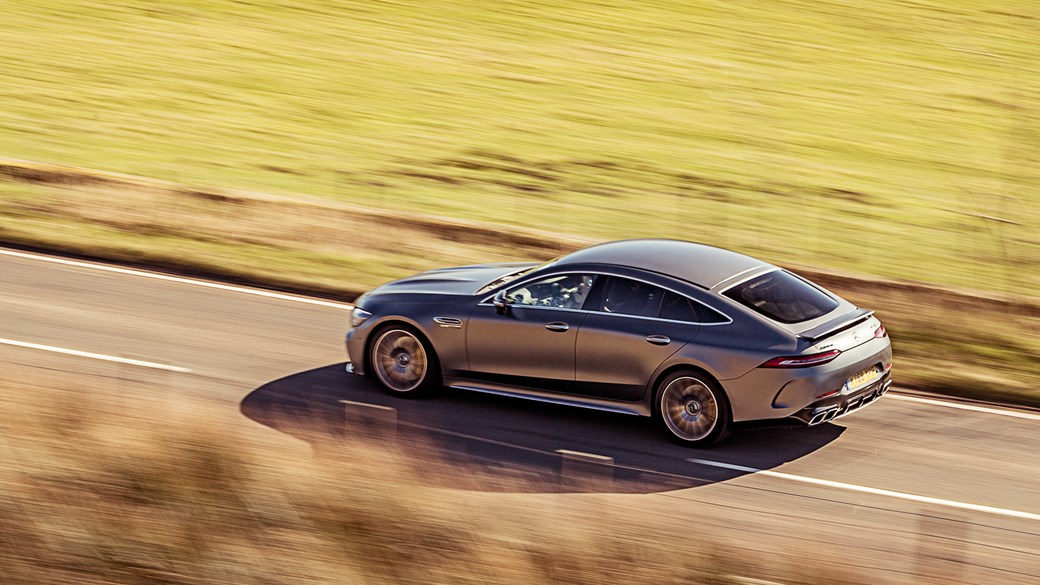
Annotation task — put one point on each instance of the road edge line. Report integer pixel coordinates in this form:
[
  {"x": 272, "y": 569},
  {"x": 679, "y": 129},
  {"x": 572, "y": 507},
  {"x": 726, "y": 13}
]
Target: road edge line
[
  {"x": 1007, "y": 512},
  {"x": 178, "y": 279},
  {"x": 94, "y": 356}
]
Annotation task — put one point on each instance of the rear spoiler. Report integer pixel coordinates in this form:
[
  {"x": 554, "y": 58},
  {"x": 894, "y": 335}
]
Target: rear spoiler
[{"x": 835, "y": 325}]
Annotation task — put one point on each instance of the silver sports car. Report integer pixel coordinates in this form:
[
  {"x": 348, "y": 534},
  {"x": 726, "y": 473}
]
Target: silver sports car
[{"x": 696, "y": 336}]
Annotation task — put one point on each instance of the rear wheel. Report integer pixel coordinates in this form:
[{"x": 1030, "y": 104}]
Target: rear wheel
[
  {"x": 402, "y": 361},
  {"x": 693, "y": 408}
]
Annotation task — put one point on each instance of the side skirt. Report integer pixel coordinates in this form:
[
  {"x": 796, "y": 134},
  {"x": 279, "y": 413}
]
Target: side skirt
[{"x": 633, "y": 408}]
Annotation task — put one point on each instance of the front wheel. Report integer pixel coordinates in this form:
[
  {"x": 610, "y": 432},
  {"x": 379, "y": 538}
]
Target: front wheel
[
  {"x": 693, "y": 408},
  {"x": 402, "y": 361}
]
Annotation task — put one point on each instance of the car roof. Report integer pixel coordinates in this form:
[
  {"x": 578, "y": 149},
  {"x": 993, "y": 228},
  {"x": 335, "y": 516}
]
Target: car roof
[{"x": 700, "y": 264}]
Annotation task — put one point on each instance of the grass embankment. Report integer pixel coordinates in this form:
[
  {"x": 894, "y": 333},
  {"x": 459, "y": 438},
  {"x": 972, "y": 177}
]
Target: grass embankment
[
  {"x": 898, "y": 140},
  {"x": 871, "y": 139},
  {"x": 94, "y": 489}
]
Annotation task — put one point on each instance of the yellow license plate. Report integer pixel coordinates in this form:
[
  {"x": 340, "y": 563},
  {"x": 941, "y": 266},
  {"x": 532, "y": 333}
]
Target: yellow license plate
[{"x": 863, "y": 377}]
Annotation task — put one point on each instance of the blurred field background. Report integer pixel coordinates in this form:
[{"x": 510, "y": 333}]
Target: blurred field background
[{"x": 895, "y": 140}]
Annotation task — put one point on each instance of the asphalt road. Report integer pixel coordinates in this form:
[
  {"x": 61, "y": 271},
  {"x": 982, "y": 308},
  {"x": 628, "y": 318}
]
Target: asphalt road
[{"x": 905, "y": 490}]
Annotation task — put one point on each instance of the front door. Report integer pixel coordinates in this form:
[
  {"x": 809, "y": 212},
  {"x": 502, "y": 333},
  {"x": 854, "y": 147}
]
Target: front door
[{"x": 533, "y": 344}]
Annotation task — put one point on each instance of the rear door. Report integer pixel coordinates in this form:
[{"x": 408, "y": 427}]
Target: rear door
[{"x": 630, "y": 330}]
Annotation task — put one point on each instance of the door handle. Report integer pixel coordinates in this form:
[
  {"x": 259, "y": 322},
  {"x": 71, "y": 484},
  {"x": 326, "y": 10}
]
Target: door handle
[
  {"x": 557, "y": 326},
  {"x": 658, "y": 339}
]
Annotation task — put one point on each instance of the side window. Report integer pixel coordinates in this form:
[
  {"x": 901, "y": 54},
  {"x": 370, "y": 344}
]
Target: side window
[
  {"x": 679, "y": 308},
  {"x": 561, "y": 291},
  {"x": 631, "y": 297}
]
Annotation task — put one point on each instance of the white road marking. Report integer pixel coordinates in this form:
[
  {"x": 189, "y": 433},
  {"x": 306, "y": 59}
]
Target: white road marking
[
  {"x": 874, "y": 491},
  {"x": 988, "y": 410},
  {"x": 366, "y": 405},
  {"x": 586, "y": 456},
  {"x": 180, "y": 279},
  {"x": 94, "y": 356}
]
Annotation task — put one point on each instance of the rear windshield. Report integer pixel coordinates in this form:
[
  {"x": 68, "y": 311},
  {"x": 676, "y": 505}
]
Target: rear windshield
[{"x": 783, "y": 297}]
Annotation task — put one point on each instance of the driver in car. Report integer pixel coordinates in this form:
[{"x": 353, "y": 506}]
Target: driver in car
[{"x": 573, "y": 290}]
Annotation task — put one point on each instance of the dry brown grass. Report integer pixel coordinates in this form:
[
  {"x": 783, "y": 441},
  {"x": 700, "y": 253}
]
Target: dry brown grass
[{"x": 92, "y": 491}]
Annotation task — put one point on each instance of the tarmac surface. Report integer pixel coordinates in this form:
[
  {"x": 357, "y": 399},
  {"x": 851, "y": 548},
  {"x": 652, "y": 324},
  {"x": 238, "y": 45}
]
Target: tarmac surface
[{"x": 909, "y": 490}]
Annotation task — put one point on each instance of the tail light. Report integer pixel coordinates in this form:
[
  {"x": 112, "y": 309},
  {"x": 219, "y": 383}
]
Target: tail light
[
  {"x": 880, "y": 331},
  {"x": 802, "y": 361}
]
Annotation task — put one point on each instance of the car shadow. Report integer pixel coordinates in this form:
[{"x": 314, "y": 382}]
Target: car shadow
[{"x": 493, "y": 435}]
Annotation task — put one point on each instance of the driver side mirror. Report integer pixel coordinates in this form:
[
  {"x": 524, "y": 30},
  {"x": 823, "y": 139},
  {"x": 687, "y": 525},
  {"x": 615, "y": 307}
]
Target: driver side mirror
[{"x": 502, "y": 302}]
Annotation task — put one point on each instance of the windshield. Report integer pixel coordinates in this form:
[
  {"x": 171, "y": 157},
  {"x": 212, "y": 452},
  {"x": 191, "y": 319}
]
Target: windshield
[{"x": 510, "y": 277}]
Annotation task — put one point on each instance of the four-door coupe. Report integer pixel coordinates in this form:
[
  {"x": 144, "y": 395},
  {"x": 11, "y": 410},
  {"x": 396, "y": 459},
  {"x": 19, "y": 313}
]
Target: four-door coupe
[{"x": 696, "y": 336}]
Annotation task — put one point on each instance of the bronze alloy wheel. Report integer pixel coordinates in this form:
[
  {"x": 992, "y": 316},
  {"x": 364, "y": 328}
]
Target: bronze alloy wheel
[
  {"x": 400, "y": 360},
  {"x": 693, "y": 409}
]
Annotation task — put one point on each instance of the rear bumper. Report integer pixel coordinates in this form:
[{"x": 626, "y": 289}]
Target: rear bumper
[
  {"x": 771, "y": 393},
  {"x": 829, "y": 409}
]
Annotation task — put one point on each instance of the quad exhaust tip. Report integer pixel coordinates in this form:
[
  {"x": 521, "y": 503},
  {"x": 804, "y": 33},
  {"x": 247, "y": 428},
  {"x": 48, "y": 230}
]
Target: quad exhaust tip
[
  {"x": 824, "y": 416},
  {"x": 832, "y": 412}
]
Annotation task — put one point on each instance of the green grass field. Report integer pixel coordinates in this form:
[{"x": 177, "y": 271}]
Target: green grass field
[
  {"x": 894, "y": 140},
  {"x": 872, "y": 139}
]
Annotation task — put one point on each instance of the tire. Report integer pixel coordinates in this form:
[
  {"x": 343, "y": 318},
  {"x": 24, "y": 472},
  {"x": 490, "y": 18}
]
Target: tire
[
  {"x": 403, "y": 361},
  {"x": 692, "y": 408}
]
